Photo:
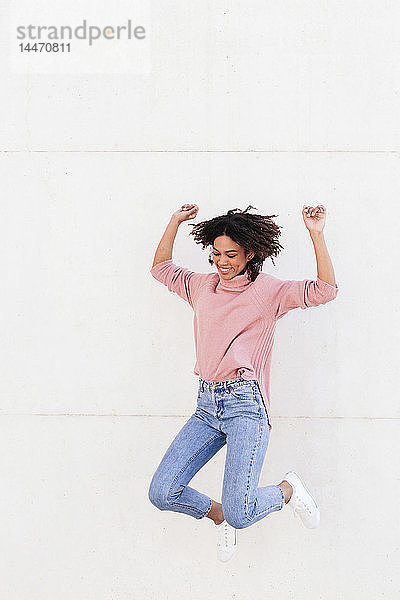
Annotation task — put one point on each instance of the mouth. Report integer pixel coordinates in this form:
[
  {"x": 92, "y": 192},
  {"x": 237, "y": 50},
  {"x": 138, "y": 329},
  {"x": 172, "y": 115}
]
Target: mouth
[{"x": 224, "y": 270}]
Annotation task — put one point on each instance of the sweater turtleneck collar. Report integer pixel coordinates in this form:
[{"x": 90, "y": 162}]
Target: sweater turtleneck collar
[{"x": 236, "y": 284}]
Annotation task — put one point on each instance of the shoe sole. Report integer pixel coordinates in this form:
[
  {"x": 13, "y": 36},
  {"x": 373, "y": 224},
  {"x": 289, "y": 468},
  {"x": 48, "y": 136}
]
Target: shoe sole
[{"x": 224, "y": 560}]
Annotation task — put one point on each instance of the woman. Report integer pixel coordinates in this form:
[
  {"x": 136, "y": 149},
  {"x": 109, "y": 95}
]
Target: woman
[{"x": 235, "y": 313}]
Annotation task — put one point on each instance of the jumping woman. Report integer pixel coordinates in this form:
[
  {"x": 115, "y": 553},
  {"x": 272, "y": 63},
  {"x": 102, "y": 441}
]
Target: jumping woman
[{"x": 235, "y": 314}]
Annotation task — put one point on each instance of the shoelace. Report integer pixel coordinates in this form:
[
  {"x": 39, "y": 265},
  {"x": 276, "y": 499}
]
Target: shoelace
[
  {"x": 298, "y": 509},
  {"x": 224, "y": 542}
]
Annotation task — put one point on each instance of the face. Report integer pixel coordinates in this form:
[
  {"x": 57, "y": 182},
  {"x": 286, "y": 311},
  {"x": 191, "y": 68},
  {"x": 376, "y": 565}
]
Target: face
[{"x": 229, "y": 258}]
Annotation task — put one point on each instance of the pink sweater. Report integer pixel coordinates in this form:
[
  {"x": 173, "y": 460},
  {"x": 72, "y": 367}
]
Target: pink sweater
[{"x": 234, "y": 320}]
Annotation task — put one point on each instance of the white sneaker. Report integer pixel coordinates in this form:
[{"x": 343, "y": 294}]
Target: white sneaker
[
  {"x": 227, "y": 543},
  {"x": 302, "y": 503}
]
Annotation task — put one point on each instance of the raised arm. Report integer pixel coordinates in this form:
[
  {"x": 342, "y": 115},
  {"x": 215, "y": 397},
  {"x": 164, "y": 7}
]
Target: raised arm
[
  {"x": 166, "y": 244},
  {"x": 182, "y": 281},
  {"x": 285, "y": 295},
  {"x": 314, "y": 219}
]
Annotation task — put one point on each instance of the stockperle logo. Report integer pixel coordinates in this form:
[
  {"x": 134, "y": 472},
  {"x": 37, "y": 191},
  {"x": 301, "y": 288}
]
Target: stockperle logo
[{"x": 85, "y": 31}]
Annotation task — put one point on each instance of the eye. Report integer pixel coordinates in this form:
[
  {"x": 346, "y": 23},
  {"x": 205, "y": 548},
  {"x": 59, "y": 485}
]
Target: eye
[{"x": 228, "y": 255}]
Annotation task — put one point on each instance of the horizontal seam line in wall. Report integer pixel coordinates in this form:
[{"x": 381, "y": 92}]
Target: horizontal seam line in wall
[
  {"x": 210, "y": 151},
  {"x": 182, "y": 416}
]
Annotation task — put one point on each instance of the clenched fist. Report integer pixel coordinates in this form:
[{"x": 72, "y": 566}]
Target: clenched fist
[
  {"x": 314, "y": 218},
  {"x": 186, "y": 212}
]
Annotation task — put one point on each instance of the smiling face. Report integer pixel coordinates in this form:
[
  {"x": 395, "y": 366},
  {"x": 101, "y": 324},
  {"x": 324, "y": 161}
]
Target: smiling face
[{"x": 229, "y": 258}]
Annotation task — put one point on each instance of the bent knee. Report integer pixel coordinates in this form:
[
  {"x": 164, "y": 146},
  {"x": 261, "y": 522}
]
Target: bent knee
[
  {"x": 157, "y": 494},
  {"x": 236, "y": 519}
]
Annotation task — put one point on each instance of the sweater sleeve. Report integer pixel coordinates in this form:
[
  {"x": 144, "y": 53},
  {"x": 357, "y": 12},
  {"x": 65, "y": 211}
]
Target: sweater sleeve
[
  {"x": 178, "y": 279},
  {"x": 284, "y": 296}
]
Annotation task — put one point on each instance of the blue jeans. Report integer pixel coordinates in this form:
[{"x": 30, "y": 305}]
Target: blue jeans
[{"x": 228, "y": 412}]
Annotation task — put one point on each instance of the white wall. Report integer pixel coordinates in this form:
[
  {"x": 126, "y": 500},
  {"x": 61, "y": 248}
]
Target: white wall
[{"x": 270, "y": 104}]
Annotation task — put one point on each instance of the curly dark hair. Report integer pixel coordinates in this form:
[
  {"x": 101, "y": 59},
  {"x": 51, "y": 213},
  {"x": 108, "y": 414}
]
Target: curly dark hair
[{"x": 258, "y": 233}]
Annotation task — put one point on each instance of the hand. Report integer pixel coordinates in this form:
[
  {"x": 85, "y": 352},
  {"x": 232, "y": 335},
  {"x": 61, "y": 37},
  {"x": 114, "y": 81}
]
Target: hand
[
  {"x": 185, "y": 213},
  {"x": 314, "y": 218}
]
